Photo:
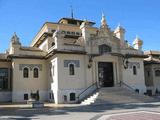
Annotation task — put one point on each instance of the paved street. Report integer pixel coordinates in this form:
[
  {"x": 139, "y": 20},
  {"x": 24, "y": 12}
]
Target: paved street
[{"x": 93, "y": 112}]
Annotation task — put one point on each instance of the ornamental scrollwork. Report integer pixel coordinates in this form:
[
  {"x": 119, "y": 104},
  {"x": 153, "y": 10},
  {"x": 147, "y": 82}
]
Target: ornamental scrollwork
[{"x": 30, "y": 66}]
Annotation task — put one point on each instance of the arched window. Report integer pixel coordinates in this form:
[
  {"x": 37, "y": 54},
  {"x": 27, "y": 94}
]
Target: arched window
[
  {"x": 25, "y": 72},
  {"x": 134, "y": 70},
  {"x": 157, "y": 73},
  {"x": 35, "y": 72},
  {"x": 72, "y": 96},
  {"x": 71, "y": 69},
  {"x": 104, "y": 49}
]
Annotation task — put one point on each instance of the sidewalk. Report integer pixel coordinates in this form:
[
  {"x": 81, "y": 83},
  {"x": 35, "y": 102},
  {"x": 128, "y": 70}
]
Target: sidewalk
[{"x": 46, "y": 105}]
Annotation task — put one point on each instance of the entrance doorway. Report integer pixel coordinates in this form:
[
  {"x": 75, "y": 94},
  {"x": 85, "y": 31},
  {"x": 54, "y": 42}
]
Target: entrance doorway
[{"x": 105, "y": 74}]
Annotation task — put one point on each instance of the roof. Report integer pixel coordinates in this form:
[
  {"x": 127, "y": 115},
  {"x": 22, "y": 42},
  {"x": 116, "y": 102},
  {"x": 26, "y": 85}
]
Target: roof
[
  {"x": 129, "y": 55},
  {"x": 72, "y": 19},
  {"x": 152, "y": 52},
  {"x": 31, "y": 49},
  {"x": 151, "y": 60},
  {"x": 3, "y": 57}
]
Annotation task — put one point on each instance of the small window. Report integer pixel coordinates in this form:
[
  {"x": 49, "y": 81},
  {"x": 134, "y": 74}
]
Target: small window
[
  {"x": 157, "y": 73},
  {"x": 68, "y": 32},
  {"x": 103, "y": 49},
  {"x": 50, "y": 70},
  {"x": 25, "y": 72},
  {"x": 65, "y": 98},
  {"x": 52, "y": 44},
  {"x": 53, "y": 31},
  {"x": 51, "y": 96},
  {"x": 72, "y": 96},
  {"x": 134, "y": 70},
  {"x": 35, "y": 73},
  {"x": 73, "y": 33},
  {"x": 53, "y": 70},
  {"x": 71, "y": 69},
  {"x": 63, "y": 32},
  {"x": 25, "y": 96},
  {"x": 77, "y": 33}
]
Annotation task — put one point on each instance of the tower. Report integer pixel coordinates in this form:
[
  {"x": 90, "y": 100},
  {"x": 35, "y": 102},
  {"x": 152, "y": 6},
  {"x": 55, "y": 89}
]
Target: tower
[
  {"x": 137, "y": 43},
  {"x": 86, "y": 35},
  {"x": 103, "y": 22},
  {"x": 14, "y": 44},
  {"x": 120, "y": 32}
]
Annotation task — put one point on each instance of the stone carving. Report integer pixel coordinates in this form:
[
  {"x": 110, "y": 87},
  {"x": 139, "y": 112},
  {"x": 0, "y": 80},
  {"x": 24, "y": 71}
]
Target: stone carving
[
  {"x": 131, "y": 64},
  {"x": 67, "y": 62},
  {"x": 30, "y": 66}
]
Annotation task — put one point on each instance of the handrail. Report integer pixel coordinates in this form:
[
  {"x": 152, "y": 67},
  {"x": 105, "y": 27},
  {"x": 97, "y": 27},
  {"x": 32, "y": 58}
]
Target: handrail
[
  {"x": 121, "y": 82},
  {"x": 86, "y": 90}
]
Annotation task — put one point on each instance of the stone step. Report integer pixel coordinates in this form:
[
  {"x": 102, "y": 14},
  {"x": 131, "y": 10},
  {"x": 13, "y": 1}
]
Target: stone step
[{"x": 117, "y": 95}]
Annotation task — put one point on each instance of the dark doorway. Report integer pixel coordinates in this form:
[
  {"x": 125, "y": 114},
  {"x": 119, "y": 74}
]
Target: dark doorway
[{"x": 105, "y": 73}]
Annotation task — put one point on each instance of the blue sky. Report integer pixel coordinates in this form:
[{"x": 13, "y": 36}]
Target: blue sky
[{"x": 25, "y": 17}]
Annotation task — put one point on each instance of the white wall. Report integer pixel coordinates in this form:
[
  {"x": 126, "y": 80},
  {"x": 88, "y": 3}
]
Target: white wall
[
  {"x": 21, "y": 85},
  {"x": 135, "y": 81}
]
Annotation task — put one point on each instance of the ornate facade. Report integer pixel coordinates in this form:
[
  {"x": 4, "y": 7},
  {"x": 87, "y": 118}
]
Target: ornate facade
[{"x": 68, "y": 60}]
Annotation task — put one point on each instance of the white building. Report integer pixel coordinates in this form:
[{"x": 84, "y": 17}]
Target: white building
[{"x": 68, "y": 60}]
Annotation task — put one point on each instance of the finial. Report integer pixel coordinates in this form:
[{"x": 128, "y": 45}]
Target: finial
[
  {"x": 15, "y": 39},
  {"x": 14, "y": 33},
  {"x": 103, "y": 14},
  {"x": 119, "y": 24},
  {"x": 71, "y": 11},
  {"x": 103, "y": 21},
  {"x": 137, "y": 37}
]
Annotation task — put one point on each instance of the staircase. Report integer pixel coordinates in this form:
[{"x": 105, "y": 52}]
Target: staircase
[{"x": 117, "y": 95}]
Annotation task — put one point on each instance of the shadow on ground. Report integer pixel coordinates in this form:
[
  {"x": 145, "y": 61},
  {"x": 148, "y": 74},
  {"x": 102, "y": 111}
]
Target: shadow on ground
[{"x": 27, "y": 114}]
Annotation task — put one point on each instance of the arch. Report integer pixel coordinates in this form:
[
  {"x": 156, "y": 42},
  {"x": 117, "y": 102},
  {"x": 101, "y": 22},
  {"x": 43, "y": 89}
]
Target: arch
[
  {"x": 134, "y": 70},
  {"x": 35, "y": 72},
  {"x": 72, "y": 96},
  {"x": 71, "y": 69},
  {"x": 104, "y": 49},
  {"x": 157, "y": 73},
  {"x": 25, "y": 72}
]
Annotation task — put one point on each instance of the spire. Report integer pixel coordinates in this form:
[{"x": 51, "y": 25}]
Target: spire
[
  {"x": 71, "y": 11},
  {"x": 15, "y": 39},
  {"x": 103, "y": 21}
]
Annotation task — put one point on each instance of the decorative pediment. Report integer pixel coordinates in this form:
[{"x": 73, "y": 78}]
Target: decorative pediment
[
  {"x": 131, "y": 64},
  {"x": 30, "y": 66},
  {"x": 75, "y": 62}
]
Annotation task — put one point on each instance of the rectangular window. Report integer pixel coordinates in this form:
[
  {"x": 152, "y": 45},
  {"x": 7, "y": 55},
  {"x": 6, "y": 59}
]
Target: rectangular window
[
  {"x": 71, "y": 69},
  {"x": 3, "y": 78},
  {"x": 26, "y": 96}
]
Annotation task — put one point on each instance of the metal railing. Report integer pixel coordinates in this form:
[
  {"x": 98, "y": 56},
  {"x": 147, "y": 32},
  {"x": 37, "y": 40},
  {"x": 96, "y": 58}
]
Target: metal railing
[
  {"x": 78, "y": 97},
  {"x": 123, "y": 83}
]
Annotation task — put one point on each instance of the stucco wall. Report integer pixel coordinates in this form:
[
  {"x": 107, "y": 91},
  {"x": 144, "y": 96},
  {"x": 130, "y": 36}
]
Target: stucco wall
[
  {"x": 27, "y": 85},
  {"x": 135, "y": 81}
]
